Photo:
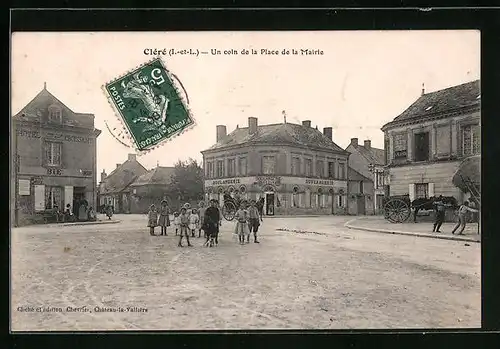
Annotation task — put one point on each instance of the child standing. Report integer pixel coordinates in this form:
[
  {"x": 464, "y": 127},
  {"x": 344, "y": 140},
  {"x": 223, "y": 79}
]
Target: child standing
[
  {"x": 194, "y": 222},
  {"x": 253, "y": 221},
  {"x": 152, "y": 219},
  {"x": 201, "y": 214},
  {"x": 184, "y": 224},
  {"x": 241, "y": 223},
  {"x": 177, "y": 222},
  {"x": 164, "y": 220}
]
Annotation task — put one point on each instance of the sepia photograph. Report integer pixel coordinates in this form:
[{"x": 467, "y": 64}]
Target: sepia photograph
[{"x": 268, "y": 180}]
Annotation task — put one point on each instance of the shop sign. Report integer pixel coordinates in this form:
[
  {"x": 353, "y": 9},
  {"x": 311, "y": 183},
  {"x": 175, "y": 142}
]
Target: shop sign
[
  {"x": 325, "y": 182},
  {"x": 226, "y": 181},
  {"x": 268, "y": 180},
  {"x": 54, "y": 172}
]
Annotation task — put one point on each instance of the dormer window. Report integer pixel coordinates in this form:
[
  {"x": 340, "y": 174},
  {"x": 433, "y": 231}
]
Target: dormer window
[
  {"x": 55, "y": 114},
  {"x": 428, "y": 108},
  {"x": 478, "y": 97}
]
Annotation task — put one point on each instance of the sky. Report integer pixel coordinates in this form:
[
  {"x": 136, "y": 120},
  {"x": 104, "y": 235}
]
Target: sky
[{"x": 363, "y": 80}]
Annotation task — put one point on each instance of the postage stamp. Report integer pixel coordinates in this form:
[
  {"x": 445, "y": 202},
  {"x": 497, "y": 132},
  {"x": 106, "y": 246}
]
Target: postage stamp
[{"x": 150, "y": 105}]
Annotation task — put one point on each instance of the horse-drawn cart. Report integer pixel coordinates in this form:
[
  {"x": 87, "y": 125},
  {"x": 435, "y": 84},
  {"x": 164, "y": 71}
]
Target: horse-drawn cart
[
  {"x": 468, "y": 178},
  {"x": 397, "y": 209}
]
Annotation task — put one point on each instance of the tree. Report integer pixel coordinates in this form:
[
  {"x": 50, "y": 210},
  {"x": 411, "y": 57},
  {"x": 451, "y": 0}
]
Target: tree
[{"x": 187, "y": 181}]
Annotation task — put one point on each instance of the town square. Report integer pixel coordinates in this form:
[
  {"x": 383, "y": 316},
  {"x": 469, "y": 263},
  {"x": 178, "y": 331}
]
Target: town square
[{"x": 190, "y": 194}]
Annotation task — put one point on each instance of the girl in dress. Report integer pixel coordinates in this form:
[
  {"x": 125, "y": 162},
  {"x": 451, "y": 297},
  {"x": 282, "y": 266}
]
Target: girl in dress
[
  {"x": 152, "y": 219},
  {"x": 201, "y": 214},
  {"x": 184, "y": 223},
  {"x": 164, "y": 220},
  {"x": 177, "y": 222},
  {"x": 194, "y": 222},
  {"x": 241, "y": 223}
]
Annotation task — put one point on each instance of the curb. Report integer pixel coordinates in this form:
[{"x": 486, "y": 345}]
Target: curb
[
  {"x": 397, "y": 232},
  {"x": 296, "y": 216},
  {"x": 80, "y": 223}
]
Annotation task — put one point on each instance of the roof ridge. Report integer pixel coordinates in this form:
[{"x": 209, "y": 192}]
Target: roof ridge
[{"x": 453, "y": 86}]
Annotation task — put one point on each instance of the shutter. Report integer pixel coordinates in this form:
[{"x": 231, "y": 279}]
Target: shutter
[
  {"x": 68, "y": 196},
  {"x": 431, "y": 190},
  {"x": 45, "y": 150},
  {"x": 62, "y": 161},
  {"x": 411, "y": 191},
  {"x": 39, "y": 197}
]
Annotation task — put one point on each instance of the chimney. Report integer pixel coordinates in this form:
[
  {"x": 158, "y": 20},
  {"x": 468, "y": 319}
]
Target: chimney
[
  {"x": 354, "y": 142},
  {"x": 327, "y": 131},
  {"x": 423, "y": 89},
  {"x": 368, "y": 144},
  {"x": 131, "y": 157},
  {"x": 306, "y": 123},
  {"x": 221, "y": 132},
  {"x": 118, "y": 165},
  {"x": 103, "y": 175},
  {"x": 252, "y": 125}
]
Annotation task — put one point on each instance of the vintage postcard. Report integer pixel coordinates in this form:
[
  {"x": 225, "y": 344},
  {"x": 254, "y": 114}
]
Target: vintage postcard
[{"x": 245, "y": 180}]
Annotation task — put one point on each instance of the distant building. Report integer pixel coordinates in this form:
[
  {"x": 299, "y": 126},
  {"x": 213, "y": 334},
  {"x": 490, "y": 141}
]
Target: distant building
[
  {"x": 54, "y": 153},
  {"x": 295, "y": 168},
  {"x": 360, "y": 200},
  {"x": 369, "y": 162},
  {"x": 151, "y": 188},
  {"x": 115, "y": 190},
  {"x": 425, "y": 144}
]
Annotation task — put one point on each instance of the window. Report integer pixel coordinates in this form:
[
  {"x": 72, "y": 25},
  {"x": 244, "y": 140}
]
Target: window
[
  {"x": 320, "y": 168},
  {"x": 342, "y": 171},
  {"x": 55, "y": 114},
  {"x": 470, "y": 140},
  {"x": 361, "y": 187},
  {"x": 331, "y": 169},
  {"x": 421, "y": 146},
  {"x": 268, "y": 165},
  {"x": 308, "y": 167},
  {"x": 295, "y": 197},
  {"x": 387, "y": 153},
  {"x": 220, "y": 168},
  {"x": 210, "y": 169},
  {"x": 53, "y": 153},
  {"x": 231, "y": 167},
  {"x": 421, "y": 190},
  {"x": 53, "y": 197},
  {"x": 340, "y": 201},
  {"x": 400, "y": 146},
  {"x": 379, "y": 179},
  {"x": 242, "y": 165},
  {"x": 295, "y": 166}
]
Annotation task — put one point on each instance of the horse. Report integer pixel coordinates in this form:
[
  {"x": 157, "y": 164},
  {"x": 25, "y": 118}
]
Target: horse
[{"x": 429, "y": 204}]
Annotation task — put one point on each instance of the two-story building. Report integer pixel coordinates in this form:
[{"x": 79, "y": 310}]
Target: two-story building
[
  {"x": 369, "y": 162},
  {"x": 54, "y": 153},
  {"x": 425, "y": 144},
  {"x": 360, "y": 188},
  {"x": 295, "y": 168}
]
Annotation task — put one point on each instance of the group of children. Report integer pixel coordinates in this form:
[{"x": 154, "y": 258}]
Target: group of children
[
  {"x": 247, "y": 221},
  {"x": 186, "y": 222}
]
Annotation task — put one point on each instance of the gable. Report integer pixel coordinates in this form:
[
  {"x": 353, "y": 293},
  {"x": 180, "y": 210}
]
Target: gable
[{"x": 122, "y": 177}]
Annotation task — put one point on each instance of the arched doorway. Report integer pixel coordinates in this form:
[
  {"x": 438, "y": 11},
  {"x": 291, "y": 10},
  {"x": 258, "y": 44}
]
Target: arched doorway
[
  {"x": 269, "y": 200},
  {"x": 332, "y": 199}
]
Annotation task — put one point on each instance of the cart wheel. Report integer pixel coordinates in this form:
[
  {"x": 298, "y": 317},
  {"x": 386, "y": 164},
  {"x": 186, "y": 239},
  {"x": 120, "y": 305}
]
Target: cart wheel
[{"x": 397, "y": 211}]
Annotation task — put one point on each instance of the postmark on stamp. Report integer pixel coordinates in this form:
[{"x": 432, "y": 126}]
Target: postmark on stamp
[{"x": 150, "y": 105}]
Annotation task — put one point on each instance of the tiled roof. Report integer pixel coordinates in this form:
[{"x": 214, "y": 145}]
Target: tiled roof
[
  {"x": 120, "y": 178},
  {"x": 354, "y": 175},
  {"x": 38, "y": 107},
  {"x": 158, "y": 175},
  {"x": 279, "y": 133},
  {"x": 442, "y": 101},
  {"x": 373, "y": 155}
]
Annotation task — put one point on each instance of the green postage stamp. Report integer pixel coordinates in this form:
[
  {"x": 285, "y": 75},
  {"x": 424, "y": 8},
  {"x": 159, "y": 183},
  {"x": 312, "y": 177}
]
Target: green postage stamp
[{"x": 150, "y": 105}]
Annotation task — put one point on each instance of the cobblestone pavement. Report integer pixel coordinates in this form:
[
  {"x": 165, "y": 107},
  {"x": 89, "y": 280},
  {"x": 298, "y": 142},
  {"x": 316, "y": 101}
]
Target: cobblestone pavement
[
  {"x": 423, "y": 229},
  {"x": 310, "y": 273}
]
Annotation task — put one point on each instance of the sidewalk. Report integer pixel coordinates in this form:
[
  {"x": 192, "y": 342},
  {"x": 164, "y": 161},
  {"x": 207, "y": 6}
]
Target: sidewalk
[{"x": 380, "y": 225}]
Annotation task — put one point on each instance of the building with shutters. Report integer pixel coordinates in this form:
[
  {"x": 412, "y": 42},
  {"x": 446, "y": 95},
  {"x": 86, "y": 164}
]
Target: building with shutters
[
  {"x": 369, "y": 162},
  {"x": 425, "y": 144},
  {"x": 295, "y": 168},
  {"x": 54, "y": 155}
]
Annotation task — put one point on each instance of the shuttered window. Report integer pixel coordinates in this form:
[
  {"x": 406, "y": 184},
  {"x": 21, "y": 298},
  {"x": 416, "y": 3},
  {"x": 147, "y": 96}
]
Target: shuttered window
[{"x": 53, "y": 153}]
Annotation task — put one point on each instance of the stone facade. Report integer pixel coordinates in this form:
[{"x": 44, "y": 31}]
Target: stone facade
[
  {"x": 361, "y": 194},
  {"x": 425, "y": 148},
  {"x": 292, "y": 177},
  {"x": 54, "y": 155}
]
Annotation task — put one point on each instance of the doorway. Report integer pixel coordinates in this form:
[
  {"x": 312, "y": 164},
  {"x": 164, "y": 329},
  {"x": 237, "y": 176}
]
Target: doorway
[
  {"x": 361, "y": 205},
  {"x": 269, "y": 203}
]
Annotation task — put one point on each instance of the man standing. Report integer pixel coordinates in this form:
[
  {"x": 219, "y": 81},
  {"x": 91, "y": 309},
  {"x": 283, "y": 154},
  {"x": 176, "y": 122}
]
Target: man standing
[
  {"x": 462, "y": 217},
  {"x": 253, "y": 220},
  {"x": 212, "y": 221},
  {"x": 440, "y": 214}
]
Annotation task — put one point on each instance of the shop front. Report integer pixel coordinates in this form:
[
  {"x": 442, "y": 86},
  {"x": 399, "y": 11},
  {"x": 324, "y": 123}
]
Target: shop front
[{"x": 284, "y": 195}]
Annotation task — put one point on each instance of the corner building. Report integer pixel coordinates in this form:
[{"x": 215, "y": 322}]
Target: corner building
[{"x": 295, "y": 168}]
